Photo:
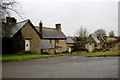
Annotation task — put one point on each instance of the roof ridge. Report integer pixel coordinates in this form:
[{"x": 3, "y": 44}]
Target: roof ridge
[
  {"x": 49, "y": 27},
  {"x": 23, "y": 21}
]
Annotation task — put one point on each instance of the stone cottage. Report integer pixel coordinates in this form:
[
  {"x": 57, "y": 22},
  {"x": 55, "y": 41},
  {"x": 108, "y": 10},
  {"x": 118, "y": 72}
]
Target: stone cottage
[
  {"x": 93, "y": 43},
  {"x": 20, "y": 37},
  {"x": 54, "y": 36}
]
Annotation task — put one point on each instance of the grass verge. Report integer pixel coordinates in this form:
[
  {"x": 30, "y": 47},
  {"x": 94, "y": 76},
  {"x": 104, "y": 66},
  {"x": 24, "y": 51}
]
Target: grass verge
[
  {"x": 104, "y": 54},
  {"x": 97, "y": 54},
  {"x": 21, "y": 57}
]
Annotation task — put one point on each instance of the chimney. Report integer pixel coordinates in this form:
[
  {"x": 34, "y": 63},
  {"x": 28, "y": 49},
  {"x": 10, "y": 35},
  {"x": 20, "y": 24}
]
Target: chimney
[
  {"x": 58, "y": 26},
  {"x": 40, "y": 28},
  {"x": 11, "y": 20}
]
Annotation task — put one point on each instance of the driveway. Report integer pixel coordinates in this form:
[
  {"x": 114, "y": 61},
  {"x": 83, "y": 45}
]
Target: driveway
[{"x": 63, "y": 67}]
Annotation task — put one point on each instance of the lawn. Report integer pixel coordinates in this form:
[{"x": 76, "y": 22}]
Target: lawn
[{"x": 21, "y": 57}]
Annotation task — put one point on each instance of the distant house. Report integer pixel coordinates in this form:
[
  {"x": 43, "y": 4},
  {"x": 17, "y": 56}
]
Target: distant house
[
  {"x": 70, "y": 44},
  {"x": 54, "y": 36},
  {"x": 20, "y": 37},
  {"x": 93, "y": 43},
  {"x": 102, "y": 43}
]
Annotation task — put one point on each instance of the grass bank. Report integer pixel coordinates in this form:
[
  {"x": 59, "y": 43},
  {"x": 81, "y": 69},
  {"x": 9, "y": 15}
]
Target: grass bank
[
  {"x": 98, "y": 54},
  {"x": 21, "y": 57},
  {"x": 104, "y": 54},
  {"x": 93, "y": 54}
]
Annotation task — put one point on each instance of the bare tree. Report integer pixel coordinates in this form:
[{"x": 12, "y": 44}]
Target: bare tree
[
  {"x": 100, "y": 33},
  {"x": 81, "y": 38},
  {"x": 7, "y": 7},
  {"x": 111, "y": 34},
  {"x": 82, "y": 32}
]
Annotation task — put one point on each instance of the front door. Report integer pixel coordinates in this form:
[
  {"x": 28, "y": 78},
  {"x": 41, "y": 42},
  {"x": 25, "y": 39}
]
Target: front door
[{"x": 27, "y": 45}]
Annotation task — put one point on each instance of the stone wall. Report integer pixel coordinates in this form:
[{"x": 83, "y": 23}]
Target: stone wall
[
  {"x": 29, "y": 33},
  {"x": 59, "y": 45},
  {"x": 90, "y": 47}
]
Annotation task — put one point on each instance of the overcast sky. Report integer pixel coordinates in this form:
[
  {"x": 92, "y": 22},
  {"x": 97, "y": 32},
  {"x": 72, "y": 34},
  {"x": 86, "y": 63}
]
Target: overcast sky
[{"x": 91, "y": 14}]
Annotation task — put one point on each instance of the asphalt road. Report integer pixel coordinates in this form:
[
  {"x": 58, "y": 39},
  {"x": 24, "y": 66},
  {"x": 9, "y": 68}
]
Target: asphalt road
[{"x": 63, "y": 67}]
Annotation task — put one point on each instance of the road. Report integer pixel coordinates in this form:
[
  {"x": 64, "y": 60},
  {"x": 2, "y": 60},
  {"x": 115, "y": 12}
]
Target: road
[{"x": 63, "y": 67}]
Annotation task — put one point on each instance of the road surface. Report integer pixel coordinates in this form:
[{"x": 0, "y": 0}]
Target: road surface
[{"x": 63, "y": 67}]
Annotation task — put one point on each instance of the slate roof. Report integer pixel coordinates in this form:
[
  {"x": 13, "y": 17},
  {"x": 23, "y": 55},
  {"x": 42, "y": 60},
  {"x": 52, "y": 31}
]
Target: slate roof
[
  {"x": 10, "y": 31},
  {"x": 95, "y": 39},
  {"x": 102, "y": 39},
  {"x": 69, "y": 40},
  {"x": 52, "y": 33},
  {"x": 46, "y": 45}
]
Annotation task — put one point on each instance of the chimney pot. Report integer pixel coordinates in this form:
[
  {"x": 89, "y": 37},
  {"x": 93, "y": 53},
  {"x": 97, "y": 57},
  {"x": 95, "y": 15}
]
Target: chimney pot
[
  {"x": 11, "y": 20},
  {"x": 58, "y": 26},
  {"x": 40, "y": 28}
]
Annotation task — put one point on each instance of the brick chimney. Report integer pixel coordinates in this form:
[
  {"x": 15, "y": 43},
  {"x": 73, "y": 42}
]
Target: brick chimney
[
  {"x": 11, "y": 20},
  {"x": 40, "y": 28},
  {"x": 58, "y": 26}
]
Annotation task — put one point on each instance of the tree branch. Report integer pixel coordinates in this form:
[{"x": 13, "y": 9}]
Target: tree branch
[{"x": 16, "y": 13}]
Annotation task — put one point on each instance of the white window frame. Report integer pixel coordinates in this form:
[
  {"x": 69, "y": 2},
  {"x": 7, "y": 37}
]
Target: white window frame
[{"x": 27, "y": 45}]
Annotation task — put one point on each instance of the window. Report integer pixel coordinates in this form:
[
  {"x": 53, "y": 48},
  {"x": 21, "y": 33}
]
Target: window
[{"x": 27, "y": 45}]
